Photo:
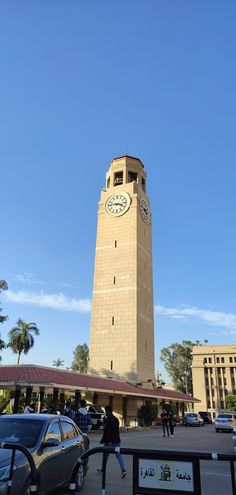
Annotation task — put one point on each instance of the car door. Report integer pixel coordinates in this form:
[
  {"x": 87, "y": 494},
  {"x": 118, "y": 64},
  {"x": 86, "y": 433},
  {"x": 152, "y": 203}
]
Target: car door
[
  {"x": 73, "y": 442},
  {"x": 50, "y": 460}
]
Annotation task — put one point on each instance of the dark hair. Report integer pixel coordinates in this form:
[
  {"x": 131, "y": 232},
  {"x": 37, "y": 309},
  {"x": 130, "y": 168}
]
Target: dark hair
[
  {"x": 83, "y": 402},
  {"x": 108, "y": 409}
]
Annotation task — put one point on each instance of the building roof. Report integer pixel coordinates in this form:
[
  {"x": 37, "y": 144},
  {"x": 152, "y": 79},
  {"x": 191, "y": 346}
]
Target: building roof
[{"x": 34, "y": 375}]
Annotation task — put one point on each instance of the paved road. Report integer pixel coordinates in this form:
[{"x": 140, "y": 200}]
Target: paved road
[{"x": 215, "y": 475}]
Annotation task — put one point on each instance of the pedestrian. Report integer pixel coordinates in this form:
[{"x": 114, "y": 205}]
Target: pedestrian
[
  {"x": 111, "y": 438},
  {"x": 171, "y": 423},
  {"x": 165, "y": 422},
  {"x": 82, "y": 418},
  {"x": 29, "y": 409}
]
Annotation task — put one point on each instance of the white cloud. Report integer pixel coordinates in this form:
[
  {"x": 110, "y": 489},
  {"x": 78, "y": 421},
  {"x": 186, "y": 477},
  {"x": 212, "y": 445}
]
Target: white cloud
[
  {"x": 54, "y": 301},
  {"x": 216, "y": 318},
  {"x": 25, "y": 278}
]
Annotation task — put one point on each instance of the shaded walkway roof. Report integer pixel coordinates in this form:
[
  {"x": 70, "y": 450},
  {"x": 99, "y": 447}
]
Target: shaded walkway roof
[{"x": 34, "y": 375}]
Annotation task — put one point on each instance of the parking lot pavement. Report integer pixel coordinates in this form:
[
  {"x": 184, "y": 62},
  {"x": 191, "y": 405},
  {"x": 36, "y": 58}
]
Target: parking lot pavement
[{"x": 215, "y": 475}]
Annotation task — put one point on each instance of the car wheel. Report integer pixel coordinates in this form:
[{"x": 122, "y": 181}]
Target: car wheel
[
  {"x": 217, "y": 430},
  {"x": 79, "y": 478}
]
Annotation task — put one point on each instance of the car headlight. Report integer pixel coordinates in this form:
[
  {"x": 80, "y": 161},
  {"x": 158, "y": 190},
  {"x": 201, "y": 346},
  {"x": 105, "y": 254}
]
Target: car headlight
[{"x": 4, "y": 473}]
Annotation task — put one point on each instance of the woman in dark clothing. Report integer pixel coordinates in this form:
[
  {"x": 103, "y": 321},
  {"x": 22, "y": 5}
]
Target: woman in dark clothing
[
  {"x": 111, "y": 438},
  {"x": 171, "y": 423}
]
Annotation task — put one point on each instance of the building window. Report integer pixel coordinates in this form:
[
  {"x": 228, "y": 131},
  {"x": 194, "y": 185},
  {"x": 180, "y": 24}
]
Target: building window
[
  {"x": 208, "y": 404},
  {"x": 211, "y": 370},
  {"x": 205, "y": 360},
  {"x": 114, "y": 280},
  {"x": 115, "y": 243},
  {"x": 145, "y": 266},
  {"x": 222, "y": 360},
  {"x": 108, "y": 181},
  {"x": 132, "y": 176},
  {"x": 217, "y": 359},
  {"x": 146, "y": 346},
  {"x": 225, "y": 381},
  {"x": 213, "y": 392},
  {"x": 222, "y": 404},
  {"x": 111, "y": 365},
  {"x": 113, "y": 320},
  {"x": 230, "y": 359},
  {"x": 209, "y": 360},
  {"x": 235, "y": 359},
  {"x": 118, "y": 178},
  {"x": 213, "y": 404},
  {"x": 143, "y": 184}
]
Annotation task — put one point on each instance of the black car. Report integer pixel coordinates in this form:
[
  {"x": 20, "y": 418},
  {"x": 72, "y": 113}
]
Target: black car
[
  {"x": 55, "y": 443},
  {"x": 206, "y": 416}
]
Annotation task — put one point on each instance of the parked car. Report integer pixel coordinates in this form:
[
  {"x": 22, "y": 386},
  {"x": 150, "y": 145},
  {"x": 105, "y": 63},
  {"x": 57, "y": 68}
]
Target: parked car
[
  {"x": 192, "y": 419},
  {"x": 55, "y": 443},
  {"x": 206, "y": 416},
  {"x": 97, "y": 415},
  {"x": 225, "y": 421}
]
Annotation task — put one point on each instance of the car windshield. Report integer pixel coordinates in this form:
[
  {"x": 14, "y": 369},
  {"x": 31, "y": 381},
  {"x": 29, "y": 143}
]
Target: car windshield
[
  {"x": 191, "y": 415},
  {"x": 20, "y": 431},
  {"x": 224, "y": 416}
]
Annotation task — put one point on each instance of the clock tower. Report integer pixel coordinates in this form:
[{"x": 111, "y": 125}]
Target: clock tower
[{"x": 122, "y": 327}]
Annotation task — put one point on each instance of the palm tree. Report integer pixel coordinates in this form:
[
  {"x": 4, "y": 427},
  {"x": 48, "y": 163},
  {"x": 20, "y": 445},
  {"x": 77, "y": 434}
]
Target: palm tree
[
  {"x": 2, "y": 346},
  {"x": 58, "y": 363},
  {"x": 20, "y": 338}
]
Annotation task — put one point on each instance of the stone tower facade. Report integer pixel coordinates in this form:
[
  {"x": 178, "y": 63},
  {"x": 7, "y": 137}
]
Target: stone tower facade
[{"x": 122, "y": 322}]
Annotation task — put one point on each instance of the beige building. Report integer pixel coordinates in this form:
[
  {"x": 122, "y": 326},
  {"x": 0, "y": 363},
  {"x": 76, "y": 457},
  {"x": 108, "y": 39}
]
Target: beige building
[
  {"x": 214, "y": 376},
  {"x": 122, "y": 327}
]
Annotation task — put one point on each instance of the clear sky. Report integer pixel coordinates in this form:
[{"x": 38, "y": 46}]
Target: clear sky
[{"x": 82, "y": 82}]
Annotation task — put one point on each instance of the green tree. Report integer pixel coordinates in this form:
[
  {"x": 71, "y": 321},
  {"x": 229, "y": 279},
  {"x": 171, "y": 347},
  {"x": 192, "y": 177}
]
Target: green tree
[
  {"x": 159, "y": 381},
  {"x": 148, "y": 413},
  {"x": 58, "y": 363},
  {"x": 80, "y": 358},
  {"x": 177, "y": 359},
  {"x": 21, "y": 338},
  {"x": 230, "y": 401},
  {"x": 3, "y": 286}
]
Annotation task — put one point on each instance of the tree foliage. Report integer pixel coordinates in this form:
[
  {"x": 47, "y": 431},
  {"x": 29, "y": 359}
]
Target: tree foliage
[
  {"x": 177, "y": 359},
  {"x": 3, "y": 286},
  {"x": 80, "y": 358},
  {"x": 58, "y": 363},
  {"x": 21, "y": 338},
  {"x": 230, "y": 401},
  {"x": 148, "y": 413}
]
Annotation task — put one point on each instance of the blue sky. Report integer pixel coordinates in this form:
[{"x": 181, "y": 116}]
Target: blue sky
[{"x": 82, "y": 82}]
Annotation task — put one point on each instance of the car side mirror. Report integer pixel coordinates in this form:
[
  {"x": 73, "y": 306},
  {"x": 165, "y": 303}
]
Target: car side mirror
[{"x": 51, "y": 442}]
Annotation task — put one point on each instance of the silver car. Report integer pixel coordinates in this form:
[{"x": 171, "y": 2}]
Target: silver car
[
  {"x": 225, "y": 421},
  {"x": 55, "y": 443}
]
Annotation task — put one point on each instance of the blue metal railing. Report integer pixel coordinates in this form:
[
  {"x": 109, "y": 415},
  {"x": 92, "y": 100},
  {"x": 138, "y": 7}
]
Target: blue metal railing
[{"x": 33, "y": 475}]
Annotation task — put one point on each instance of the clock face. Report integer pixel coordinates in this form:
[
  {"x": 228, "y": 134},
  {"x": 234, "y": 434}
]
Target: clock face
[
  {"x": 118, "y": 204},
  {"x": 144, "y": 210}
]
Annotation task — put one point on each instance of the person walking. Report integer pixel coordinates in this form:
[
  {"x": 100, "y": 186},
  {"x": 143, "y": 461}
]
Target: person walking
[
  {"x": 111, "y": 438},
  {"x": 165, "y": 422},
  {"x": 82, "y": 418},
  {"x": 171, "y": 423}
]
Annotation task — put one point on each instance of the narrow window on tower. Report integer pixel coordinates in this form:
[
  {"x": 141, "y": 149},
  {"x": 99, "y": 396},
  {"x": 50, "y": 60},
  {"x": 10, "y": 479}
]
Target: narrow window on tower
[
  {"x": 115, "y": 243},
  {"x": 146, "y": 346},
  {"x": 145, "y": 302},
  {"x": 113, "y": 320},
  {"x": 145, "y": 266},
  {"x": 111, "y": 365},
  {"x": 114, "y": 280}
]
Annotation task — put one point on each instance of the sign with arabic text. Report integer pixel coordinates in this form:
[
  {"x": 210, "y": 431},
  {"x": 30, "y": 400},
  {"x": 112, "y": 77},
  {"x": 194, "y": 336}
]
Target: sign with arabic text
[{"x": 166, "y": 475}]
